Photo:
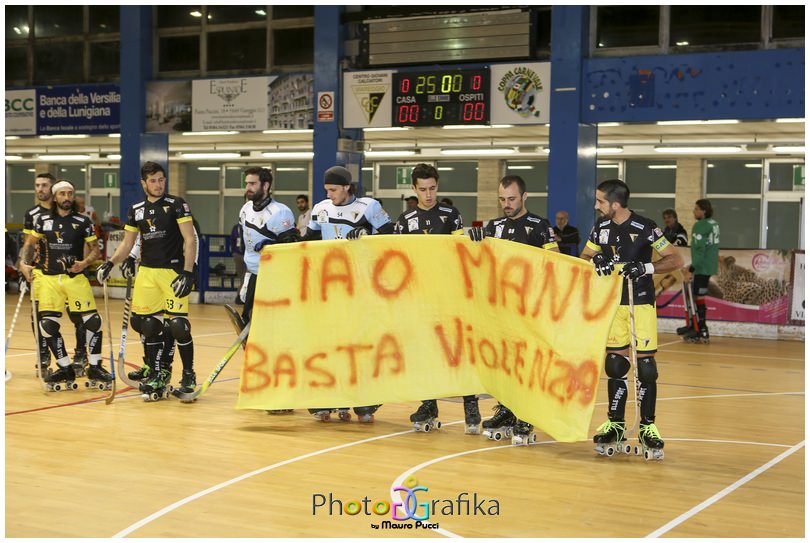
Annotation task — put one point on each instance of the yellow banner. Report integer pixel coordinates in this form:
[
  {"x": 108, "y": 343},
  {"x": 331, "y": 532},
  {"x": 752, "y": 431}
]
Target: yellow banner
[{"x": 389, "y": 319}]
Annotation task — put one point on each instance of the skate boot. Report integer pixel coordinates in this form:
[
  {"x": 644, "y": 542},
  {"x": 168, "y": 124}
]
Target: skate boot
[
  {"x": 366, "y": 414},
  {"x": 64, "y": 378},
  {"x": 424, "y": 419},
  {"x": 80, "y": 363},
  {"x": 322, "y": 415},
  {"x": 280, "y": 411},
  {"x": 610, "y": 438},
  {"x": 188, "y": 383},
  {"x": 141, "y": 374},
  {"x": 158, "y": 388},
  {"x": 500, "y": 425},
  {"x": 697, "y": 336},
  {"x": 522, "y": 433},
  {"x": 684, "y": 329},
  {"x": 651, "y": 443},
  {"x": 472, "y": 416},
  {"x": 98, "y": 377}
]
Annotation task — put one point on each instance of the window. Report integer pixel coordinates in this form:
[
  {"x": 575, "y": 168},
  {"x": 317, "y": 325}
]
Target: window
[
  {"x": 293, "y": 46},
  {"x": 243, "y": 49},
  {"x": 739, "y": 220},
  {"x": 543, "y": 30},
  {"x": 105, "y": 58},
  {"x": 627, "y": 26},
  {"x": 179, "y": 53},
  {"x": 713, "y": 25},
  {"x": 178, "y": 16},
  {"x": 236, "y": 14},
  {"x": 788, "y": 22},
  {"x": 780, "y": 176},
  {"x": 784, "y": 219},
  {"x": 293, "y": 12},
  {"x": 16, "y": 22},
  {"x": 65, "y": 21},
  {"x": 535, "y": 174},
  {"x": 645, "y": 176},
  {"x": 104, "y": 19},
  {"x": 58, "y": 63},
  {"x": 16, "y": 64},
  {"x": 738, "y": 176}
]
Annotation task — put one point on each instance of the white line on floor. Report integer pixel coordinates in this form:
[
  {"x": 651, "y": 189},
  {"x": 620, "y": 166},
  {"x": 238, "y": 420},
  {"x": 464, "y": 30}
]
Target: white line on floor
[{"x": 725, "y": 492}]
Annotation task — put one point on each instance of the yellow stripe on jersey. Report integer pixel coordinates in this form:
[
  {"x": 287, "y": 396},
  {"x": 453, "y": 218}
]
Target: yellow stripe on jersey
[
  {"x": 129, "y": 228},
  {"x": 551, "y": 245},
  {"x": 593, "y": 247},
  {"x": 89, "y": 239},
  {"x": 457, "y": 232},
  {"x": 660, "y": 244},
  {"x": 26, "y": 232},
  {"x": 36, "y": 234},
  {"x": 183, "y": 219}
]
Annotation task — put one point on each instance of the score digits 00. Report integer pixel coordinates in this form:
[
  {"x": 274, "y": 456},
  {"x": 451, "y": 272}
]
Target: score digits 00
[{"x": 442, "y": 97}]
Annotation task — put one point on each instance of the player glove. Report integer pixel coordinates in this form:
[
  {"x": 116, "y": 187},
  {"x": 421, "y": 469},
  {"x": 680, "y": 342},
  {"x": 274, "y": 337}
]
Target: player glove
[
  {"x": 67, "y": 262},
  {"x": 357, "y": 232},
  {"x": 103, "y": 272},
  {"x": 634, "y": 270},
  {"x": 128, "y": 268},
  {"x": 262, "y": 243},
  {"x": 477, "y": 233},
  {"x": 290, "y": 236},
  {"x": 602, "y": 264},
  {"x": 182, "y": 284}
]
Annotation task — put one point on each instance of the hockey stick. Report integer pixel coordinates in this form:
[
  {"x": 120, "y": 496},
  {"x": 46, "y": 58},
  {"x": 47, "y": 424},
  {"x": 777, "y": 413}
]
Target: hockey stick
[
  {"x": 189, "y": 396},
  {"x": 35, "y": 316},
  {"x": 236, "y": 320},
  {"x": 14, "y": 318},
  {"x": 109, "y": 399},
  {"x": 124, "y": 327},
  {"x": 633, "y": 356},
  {"x": 692, "y": 309}
]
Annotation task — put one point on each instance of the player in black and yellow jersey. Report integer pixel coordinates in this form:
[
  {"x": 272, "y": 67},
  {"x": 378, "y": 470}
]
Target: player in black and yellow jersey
[
  {"x": 68, "y": 247},
  {"x": 431, "y": 218},
  {"x": 165, "y": 277},
  {"x": 623, "y": 236},
  {"x": 522, "y": 226}
]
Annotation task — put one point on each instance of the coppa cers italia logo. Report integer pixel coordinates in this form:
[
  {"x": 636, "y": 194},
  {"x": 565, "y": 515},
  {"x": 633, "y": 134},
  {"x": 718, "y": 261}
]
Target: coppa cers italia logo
[
  {"x": 410, "y": 508},
  {"x": 520, "y": 88}
]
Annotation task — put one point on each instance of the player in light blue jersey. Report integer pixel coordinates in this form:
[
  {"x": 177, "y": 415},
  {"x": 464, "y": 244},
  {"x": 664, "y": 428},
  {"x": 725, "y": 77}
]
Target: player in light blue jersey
[{"x": 343, "y": 215}]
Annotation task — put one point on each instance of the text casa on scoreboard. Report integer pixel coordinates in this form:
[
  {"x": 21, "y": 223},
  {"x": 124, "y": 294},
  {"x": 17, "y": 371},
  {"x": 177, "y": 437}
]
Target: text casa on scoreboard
[{"x": 440, "y": 97}]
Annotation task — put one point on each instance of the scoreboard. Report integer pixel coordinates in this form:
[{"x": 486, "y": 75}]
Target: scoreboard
[{"x": 440, "y": 97}]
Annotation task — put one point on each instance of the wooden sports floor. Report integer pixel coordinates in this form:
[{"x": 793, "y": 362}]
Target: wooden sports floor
[{"x": 732, "y": 414}]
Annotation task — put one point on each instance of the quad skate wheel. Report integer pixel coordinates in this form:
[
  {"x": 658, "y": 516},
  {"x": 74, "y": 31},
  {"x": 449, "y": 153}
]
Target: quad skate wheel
[
  {"x": 345, "y": 416},
  {"x": 87, "y": 384},
  {"x": 627, "y": 449},
  {"x": 74, "y": 386},
  {"x": 57, "y": 387},
  {"x": 438, "y": 425},
  {"x": 154, "y": 396},
  {"x": 647, "y": 455},
  {"x": 636, "y": 450},
  {"x": 609, "y": 452},
  {"x": 497, "y": 436},
  {"x": 533, "y": 438}
]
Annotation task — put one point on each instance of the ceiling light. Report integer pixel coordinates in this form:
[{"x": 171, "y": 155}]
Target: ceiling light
[
  {"x": 789, "y": 120},
  {"x": 12, "y": 137},
  {"x": 195, "y": 13},
  {"x": 446, "y": 169},
  {"x": 32, "y": 170},
  {"x": 607, "y": 166},
  {"x": 714, "y": 121},
  {"x": 113, "y": 135},
  {"x": 389, "y": 154},
  {"x": 64, "y": 136},
  {"x": 17, "y": 30},
  {"x": 261, "y": 12},
  {"x": 662, "y": 166},
  {"x": 699, "y": 150},
  {"x": 609, "y": 150},
  {"x": 13, "y": 157},
  {"x": 291, "y": 154},
  {"x": 519, "y": 167},
  {"x": 208, "y": 168},
  {"x": 387, "y": 129},
  {"x": 114, "y": 157},
  {"x": 788, "y": 149},
  {"x": 607, "y": 125},
  {"x": 304, "y": 131},
  {"x": 754, "y": 165},
  {"x": 210, "y": 155},
  {"x": 477, "y": 152},
  {"x": 291, "y": 169},
  {"x": 367, "y": 169},
  {"x": 212, "y": 133},
  {"x": 681, "y": 43},
  {"x": 63, "y": 157}
]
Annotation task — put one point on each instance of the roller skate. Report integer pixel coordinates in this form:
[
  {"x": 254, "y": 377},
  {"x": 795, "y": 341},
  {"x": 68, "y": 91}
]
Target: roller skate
[
  {"x": 280, "y": 411},
  {"x": 64, "y": 378},
  {"x": 322, "y": 415},
  {"x": 158, "y": 387},
  {"x": 500, "y": 425},
  {"x": 652, "y": 446},
  {"x": 697, "y": 336},
  {"x": 188, "y": 383},
  {"x": 366, "y": 414},
  {"x": 610, "y": 439},
  {"x": 80, "y": 363},
  {"x": 344, "y": 414},
  {"x": 424, "y": 419},
  {"x": 523, "y": 434},
  {"x": 684, "y": 329},
  {"x": 98, "y": 377},
  {"x": 472, "y": 416}
]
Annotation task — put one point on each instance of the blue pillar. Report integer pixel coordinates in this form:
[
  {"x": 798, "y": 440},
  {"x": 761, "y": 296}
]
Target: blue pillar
[
  {"x": 328, "y": 77},
  {"x": 136, "y": 70},
  {"x": 572, "y": 162}
]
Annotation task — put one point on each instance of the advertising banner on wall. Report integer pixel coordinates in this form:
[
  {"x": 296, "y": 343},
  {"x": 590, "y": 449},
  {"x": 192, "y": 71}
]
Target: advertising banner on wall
[
  {"x": 238, "y": 103},
  {"x": 367, "y": 99},
  {"x": 168, "y": 106},
  {"x": 520, "y": 93},
  {"x": 79, "y": 109},
  {"x": 21, "y": 113},
  {"x": 750, "y": 286},
  {"x": 797, "y": 289},
  {"x": 289, "y": 102}
]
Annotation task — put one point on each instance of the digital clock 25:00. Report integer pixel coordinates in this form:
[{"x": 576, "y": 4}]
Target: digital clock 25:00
[{"x": 440, "y": 98}]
